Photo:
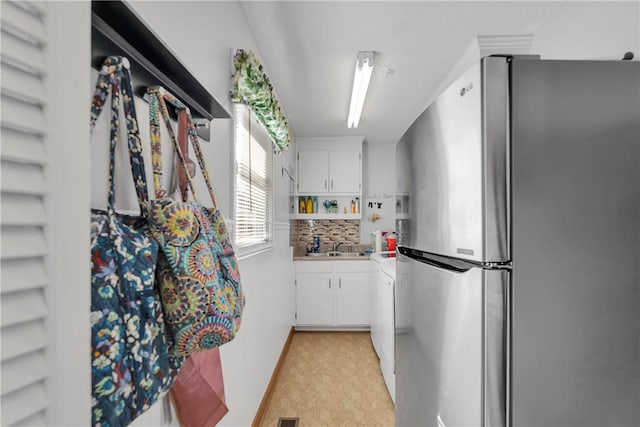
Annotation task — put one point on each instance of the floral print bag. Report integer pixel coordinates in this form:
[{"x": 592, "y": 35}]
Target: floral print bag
[
  {"x": 197, "y": 270},
  {"x": 130, "y": 363}
]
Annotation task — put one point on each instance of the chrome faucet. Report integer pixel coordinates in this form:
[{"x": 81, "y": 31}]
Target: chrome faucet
[{"x": 336, "y": 245}]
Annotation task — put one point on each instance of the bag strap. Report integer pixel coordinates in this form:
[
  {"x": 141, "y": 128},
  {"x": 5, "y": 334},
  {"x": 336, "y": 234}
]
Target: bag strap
[
  {"x": 195, "y": 142},
  {"x": 114, "y": 75},
  {"x": 156, "y": 143},
  {"x": 158, "y": 97},
  {"x": 157, "y": 106}
]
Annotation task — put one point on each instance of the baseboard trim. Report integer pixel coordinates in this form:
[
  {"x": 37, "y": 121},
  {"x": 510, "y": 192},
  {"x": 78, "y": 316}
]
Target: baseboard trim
[
  {"x": 268, "y": 393},
  {"x": 304, "y": 328}
]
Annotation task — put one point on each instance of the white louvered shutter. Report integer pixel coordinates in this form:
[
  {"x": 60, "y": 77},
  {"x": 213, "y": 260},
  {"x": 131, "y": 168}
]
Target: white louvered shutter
[{"x": 23, "y": 220}]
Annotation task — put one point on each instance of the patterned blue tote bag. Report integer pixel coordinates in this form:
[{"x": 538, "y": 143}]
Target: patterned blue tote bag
[{"x": 130, "y": 363}]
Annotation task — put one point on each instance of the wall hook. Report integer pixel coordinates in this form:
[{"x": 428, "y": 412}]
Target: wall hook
[{"x": 203, "y": 128}]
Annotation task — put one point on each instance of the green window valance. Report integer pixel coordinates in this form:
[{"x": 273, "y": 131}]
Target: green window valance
[{"x": 251, "y": 86}]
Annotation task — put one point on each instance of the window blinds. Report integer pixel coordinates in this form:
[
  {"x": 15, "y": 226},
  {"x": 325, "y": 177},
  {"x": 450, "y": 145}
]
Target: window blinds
[
  {"x": 254, "y": 188},
  {"x": 24, "y": 189}
]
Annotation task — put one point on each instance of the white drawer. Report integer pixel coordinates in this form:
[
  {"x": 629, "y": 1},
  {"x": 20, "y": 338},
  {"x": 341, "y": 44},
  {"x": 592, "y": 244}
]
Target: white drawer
[
  {"x": 353, "y": 266},
  {"x": 314, "y": 266}
]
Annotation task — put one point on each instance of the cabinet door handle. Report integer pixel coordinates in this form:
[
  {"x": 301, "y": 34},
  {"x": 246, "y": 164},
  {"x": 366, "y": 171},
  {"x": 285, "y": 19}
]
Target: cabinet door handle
[
  {"x": 329, "y": 283},
  {"x": 325, "y": 184},
  {"x": 340, "y": 282},
  {"x": 332, "y": 184}
]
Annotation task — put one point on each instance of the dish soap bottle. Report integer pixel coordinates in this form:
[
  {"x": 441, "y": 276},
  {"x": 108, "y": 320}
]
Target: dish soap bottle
[{"x": 309, "y": 205}]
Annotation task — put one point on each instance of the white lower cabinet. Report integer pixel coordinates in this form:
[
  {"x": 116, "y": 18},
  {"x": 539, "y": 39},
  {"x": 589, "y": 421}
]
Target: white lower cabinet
[
  {"x": 332, "y": 294},
  {"x": 352, "y": 298},
  {"x": 314, "y": 297}
]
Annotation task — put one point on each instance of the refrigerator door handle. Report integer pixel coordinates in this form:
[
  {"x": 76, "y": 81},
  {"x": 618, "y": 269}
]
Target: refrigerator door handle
[{"x": 439, "y": 261}]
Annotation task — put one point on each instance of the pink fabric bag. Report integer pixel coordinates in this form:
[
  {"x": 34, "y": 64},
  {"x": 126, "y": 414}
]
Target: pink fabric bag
[
  {"x": 183, "y": 181},
  {"x": 198, "y": 392}
]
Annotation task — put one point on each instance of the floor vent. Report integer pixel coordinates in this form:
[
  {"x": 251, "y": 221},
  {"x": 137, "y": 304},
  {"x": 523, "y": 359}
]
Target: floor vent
[{"x": 288, "y": 422}]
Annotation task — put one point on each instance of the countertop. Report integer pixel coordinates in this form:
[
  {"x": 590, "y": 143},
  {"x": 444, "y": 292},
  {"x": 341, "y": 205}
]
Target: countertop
[{"x": 386, "y": 262}]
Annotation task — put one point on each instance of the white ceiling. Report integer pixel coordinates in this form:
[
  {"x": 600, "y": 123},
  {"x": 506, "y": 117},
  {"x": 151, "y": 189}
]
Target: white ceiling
[{"x": 309, "y": 51}]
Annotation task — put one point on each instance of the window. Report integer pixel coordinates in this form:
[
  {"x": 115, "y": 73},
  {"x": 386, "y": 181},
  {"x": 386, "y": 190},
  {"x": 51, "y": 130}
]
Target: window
[{"x": 253, "y": 183}]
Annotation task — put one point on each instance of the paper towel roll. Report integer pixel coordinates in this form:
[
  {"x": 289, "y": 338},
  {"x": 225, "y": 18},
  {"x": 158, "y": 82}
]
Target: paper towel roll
[{"x": 378, "y": 240}]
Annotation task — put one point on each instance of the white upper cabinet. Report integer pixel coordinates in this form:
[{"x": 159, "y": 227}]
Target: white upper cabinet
[
  {"x": 313, "y": 171},
  {"x": 330, "y": 165},
  {"x": 345, "y": 171}
]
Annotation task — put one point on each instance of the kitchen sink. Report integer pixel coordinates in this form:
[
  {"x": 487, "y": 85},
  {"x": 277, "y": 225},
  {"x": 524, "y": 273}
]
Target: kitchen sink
[{"x": 351, "y": 254}]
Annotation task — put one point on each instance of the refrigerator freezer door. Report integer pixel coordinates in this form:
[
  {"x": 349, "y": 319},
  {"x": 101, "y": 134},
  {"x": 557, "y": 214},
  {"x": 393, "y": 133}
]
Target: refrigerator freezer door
[
  {"x": 452, "y": 162},
  {"x": 450, "y": 344},
  {"x": 576, "y": 243}
]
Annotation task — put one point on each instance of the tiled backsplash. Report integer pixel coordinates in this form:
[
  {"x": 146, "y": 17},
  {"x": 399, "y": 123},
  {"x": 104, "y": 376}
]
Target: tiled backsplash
[{"x": 329, "y": 230}]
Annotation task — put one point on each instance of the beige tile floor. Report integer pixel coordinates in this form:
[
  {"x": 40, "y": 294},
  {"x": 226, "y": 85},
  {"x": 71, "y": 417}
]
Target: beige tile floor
[{"x": 331, "y": 379}]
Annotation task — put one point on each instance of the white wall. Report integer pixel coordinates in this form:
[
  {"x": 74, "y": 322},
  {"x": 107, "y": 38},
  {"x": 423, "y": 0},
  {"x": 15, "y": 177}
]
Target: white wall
[
  {"x": 590, "y": 30},
  {"x": 379, "y": 186}
]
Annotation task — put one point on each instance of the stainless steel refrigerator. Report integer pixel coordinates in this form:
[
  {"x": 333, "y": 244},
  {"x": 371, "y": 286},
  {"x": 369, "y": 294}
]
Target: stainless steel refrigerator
[{"x": 517, "y": 292}]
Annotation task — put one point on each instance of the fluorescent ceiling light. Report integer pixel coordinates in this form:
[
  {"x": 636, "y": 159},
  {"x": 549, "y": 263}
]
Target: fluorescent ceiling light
[{"x": 364, "y": 66}]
